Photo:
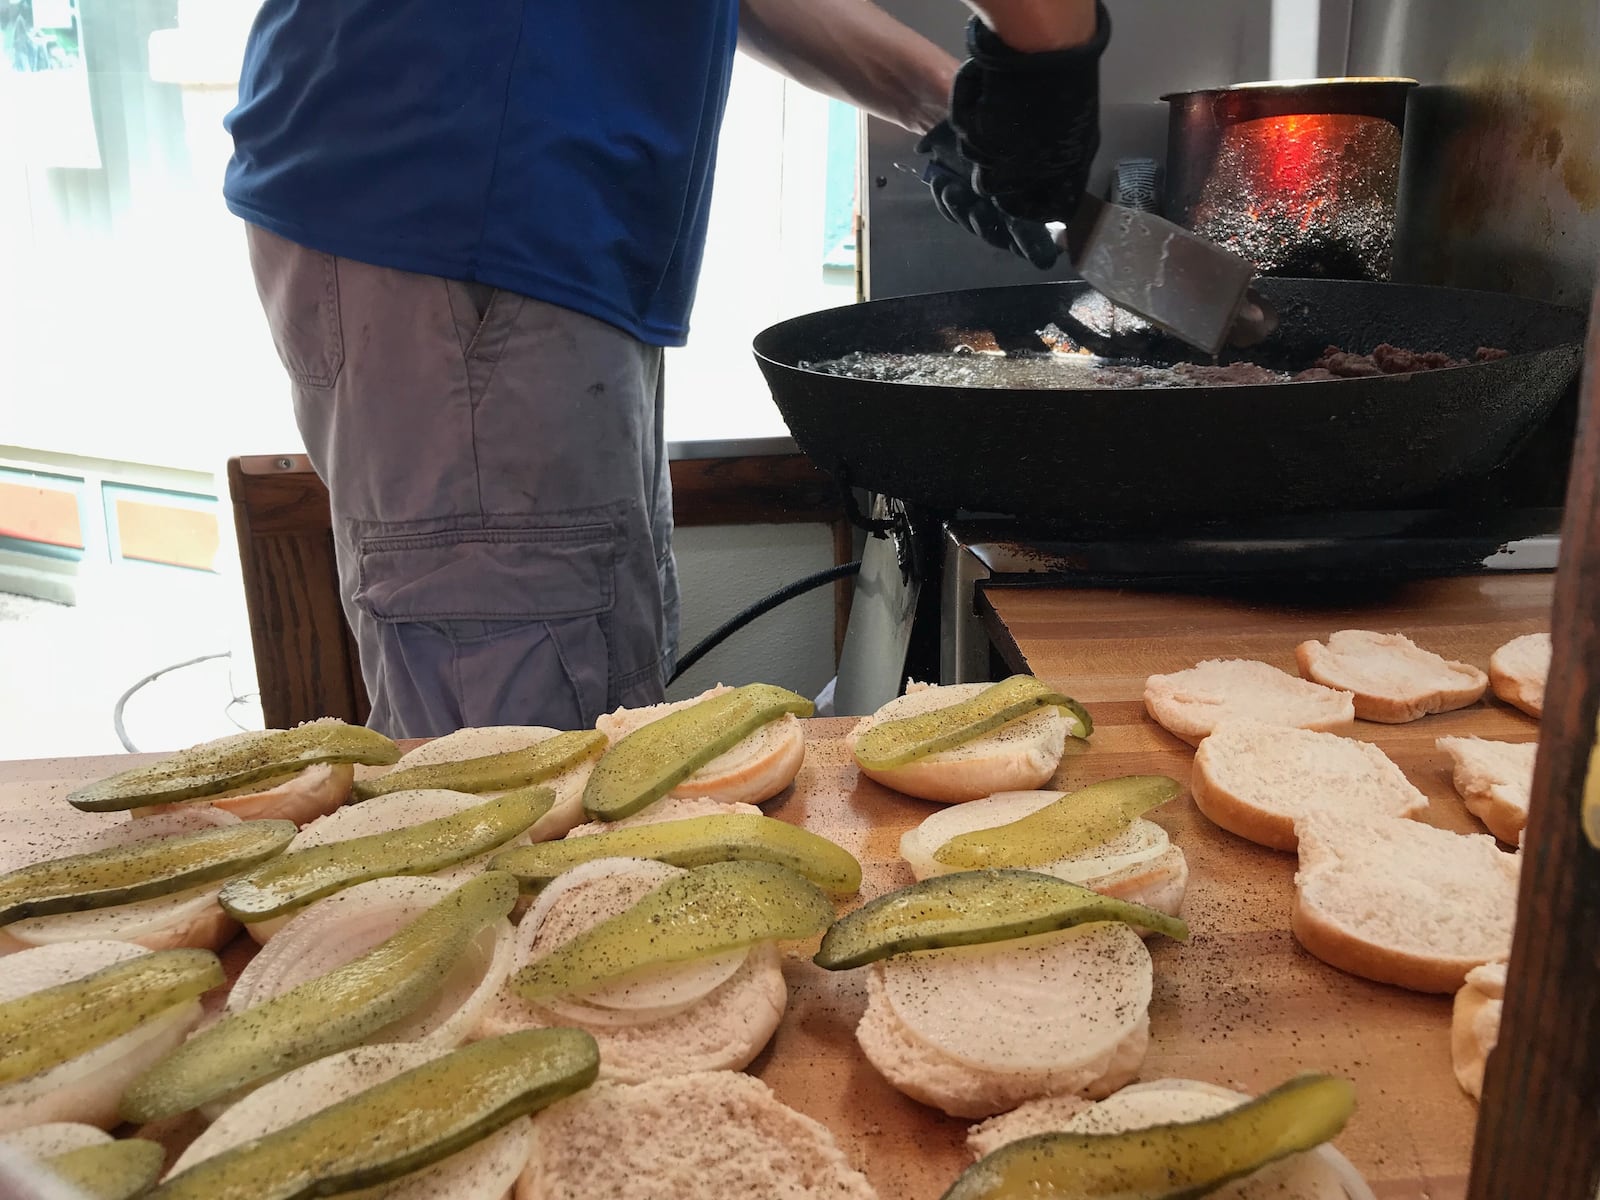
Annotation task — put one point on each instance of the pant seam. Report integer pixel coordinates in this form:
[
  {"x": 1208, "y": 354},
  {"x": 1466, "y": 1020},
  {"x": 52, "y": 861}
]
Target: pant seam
[
  {"x": 584, "y": 716},
  {"x": 461, "y": 689},
  {"x": 483, "y": 323}
]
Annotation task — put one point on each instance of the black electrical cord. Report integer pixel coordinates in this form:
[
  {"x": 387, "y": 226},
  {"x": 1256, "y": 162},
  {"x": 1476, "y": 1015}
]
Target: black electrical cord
[
  {"x": 766, "y": 604},
  {"x": 122, "y": 700}
]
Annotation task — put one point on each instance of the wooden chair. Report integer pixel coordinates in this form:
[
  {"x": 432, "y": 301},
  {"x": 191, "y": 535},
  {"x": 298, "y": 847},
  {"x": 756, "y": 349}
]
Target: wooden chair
[{"x": 306, "y": 664}]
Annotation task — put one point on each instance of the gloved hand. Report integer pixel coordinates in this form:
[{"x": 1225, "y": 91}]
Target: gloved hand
[
  {"x": 949, "y": 177},
  {"x": 1029, "y": 123}
]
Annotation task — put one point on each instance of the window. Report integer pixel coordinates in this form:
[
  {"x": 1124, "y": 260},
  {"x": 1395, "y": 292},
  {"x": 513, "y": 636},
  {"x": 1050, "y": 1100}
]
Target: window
[
  {"x": 782, "y": 242},
  {"x": 133, "y": 342}
]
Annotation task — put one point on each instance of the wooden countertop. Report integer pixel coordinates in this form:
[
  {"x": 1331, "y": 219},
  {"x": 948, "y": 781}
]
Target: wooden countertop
[{"x": 1240, "y": 1004}]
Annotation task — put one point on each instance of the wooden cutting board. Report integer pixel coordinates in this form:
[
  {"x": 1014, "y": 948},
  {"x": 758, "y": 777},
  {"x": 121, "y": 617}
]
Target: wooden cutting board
[{"x": 1240, "y": 1004}]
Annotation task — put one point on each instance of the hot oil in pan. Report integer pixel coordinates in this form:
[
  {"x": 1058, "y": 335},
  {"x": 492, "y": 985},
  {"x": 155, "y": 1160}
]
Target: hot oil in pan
[
  {"x": 980, "y": 363},
  {"x": 1044, "y": 370}
]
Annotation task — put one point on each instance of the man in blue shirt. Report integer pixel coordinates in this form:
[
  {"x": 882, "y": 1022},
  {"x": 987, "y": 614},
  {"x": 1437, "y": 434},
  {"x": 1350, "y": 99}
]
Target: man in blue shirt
[{"x": 474, "y": 226}]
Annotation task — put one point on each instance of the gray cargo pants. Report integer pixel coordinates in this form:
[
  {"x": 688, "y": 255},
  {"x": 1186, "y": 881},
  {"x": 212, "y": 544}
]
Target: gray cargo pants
[{"x": 502, "y": 508}]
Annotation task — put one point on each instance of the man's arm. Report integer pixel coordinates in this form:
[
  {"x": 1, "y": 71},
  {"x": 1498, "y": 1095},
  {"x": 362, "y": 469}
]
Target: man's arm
[
  {"x": 1032, "y": 26},
  {"x": 854, "y": 51}
]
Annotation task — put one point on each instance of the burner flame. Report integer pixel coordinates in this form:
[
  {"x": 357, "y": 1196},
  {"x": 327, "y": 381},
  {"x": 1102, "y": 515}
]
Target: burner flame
[{"x": 1308, "y": 193}]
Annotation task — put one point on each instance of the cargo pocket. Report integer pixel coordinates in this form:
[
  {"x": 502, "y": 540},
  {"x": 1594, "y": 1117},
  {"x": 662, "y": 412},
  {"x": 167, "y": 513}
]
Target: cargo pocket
[
  {"x": 299, "y": 291},
  {"x": 510, "y": 623}
]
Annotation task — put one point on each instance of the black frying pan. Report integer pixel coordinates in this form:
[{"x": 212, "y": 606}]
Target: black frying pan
[{"x": 1153, "y": 455}]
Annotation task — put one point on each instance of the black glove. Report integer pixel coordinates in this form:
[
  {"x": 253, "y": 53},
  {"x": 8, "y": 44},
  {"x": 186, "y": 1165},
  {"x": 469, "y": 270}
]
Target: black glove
[
  {"x": 1030, "y": 123},
  {"x": 949, "y": 177}
]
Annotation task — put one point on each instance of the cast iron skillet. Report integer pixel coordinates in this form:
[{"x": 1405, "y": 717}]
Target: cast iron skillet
[{"x": 1147, "y": 455}]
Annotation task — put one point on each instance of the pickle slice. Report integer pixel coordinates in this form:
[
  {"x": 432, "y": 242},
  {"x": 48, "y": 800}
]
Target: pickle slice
[
  {"x": 139, "y": 870},
  {"x": 112, "y": 1170},
  {"x": 300, "y": 877},
  {"x": 212, "y": 768},
  {"x": 47, "y": 1028},
  {"x": 331, "y": 1012},
  {"x": 402, "y": 1125},
  {"x": 896, "y": 743},
  {"x": 694, "y": 842},
  {"x": 492, "y": 772},
  {"x": 1077, "y": 822},
  {"x": 721, "y": 906},
  {"x": 652, "y": 760},
  {"x": 1164, "y": 1162},
  {"x": 970, "y": 907}
]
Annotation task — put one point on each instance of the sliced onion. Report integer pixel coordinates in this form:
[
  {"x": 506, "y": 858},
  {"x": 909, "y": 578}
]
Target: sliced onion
[
  {"x": 57, "y": 1137},
  {"x": 485, "y": 1170},
  {"x": 89, "y": 1087},
  {"x": 384, "y": 814},
  {"x": 580, "y": 899},
  {"x": 619, "y": 724},
  {"x": 188, "y": 918},
  {"x": 478, "y": 742},
  {"x": 1319, "y": 1172},
  {"x": 345, "y": 926},
  {"x": 1141, "y": 842},
  {"x": 1034, "y": 1003},
  {"x": 485, "y": 740},
  {"x": 668, "y": 808}
]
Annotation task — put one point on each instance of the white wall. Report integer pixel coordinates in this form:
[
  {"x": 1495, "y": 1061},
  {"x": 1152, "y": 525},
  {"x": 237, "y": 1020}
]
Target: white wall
[{"x": 722, "y": 569}]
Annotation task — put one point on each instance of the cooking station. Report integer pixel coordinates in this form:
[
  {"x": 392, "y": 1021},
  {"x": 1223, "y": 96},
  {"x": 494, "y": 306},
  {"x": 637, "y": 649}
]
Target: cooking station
[
  {"x": 1095, "y": 535},
  {"x": 1039, "y": 484},
  {"x": 970, "y": 470}
]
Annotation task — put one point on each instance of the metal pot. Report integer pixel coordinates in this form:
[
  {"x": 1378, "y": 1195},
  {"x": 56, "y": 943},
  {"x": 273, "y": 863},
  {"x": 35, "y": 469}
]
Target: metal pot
[{"x": 1300, "y": 177}]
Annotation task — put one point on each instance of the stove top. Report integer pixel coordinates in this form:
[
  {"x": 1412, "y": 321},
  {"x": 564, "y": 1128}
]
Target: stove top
[
  {"x": 1320, "y": 546},
  {"x": 916, "y": 600},
  {"x": 1322, "y": 559}
]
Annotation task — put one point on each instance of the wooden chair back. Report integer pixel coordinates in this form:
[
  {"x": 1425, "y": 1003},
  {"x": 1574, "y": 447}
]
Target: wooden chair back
[{"x": 306, "y": 663}]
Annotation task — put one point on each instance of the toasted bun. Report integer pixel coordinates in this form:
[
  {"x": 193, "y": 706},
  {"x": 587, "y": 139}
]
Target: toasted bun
[
  {"x": 1494, "y": 780},
  {"x": 485, "y": 740},
  {"x": 485, "y": 1170},
  {"x": 1401, "y": 902},
  {"x": 1392, "y": 679},
  {"x": 686, "y": 1137},
  {"x": 1475, "y": 1024},
  {"x": 1256, "y": 780},
  {"x": 978, "y": 1030},
  {"x": 1191, "y": 703},
  {"x": 190, "y": 918},
  {"x": 723, "y": 1028},
  {"x": 1517, "y": 672},
  {"x": 1018, "y": 756},
  {"x": 757, "y": 769},
  {"x": 86, "y": 1089},
  {"x": 1320, "y": 1174},
  {"x": 1140, "y": 865}
]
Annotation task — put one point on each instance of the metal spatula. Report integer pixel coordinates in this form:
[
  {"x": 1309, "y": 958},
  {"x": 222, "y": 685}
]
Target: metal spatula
[{"x": 1180, "y": 282}]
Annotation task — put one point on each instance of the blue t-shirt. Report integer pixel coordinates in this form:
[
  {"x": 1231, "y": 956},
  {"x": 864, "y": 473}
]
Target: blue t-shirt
[{"x": 562, "y": 149}]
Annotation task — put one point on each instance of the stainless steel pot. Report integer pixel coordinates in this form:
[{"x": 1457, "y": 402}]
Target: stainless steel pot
[{"x": 1299, "y": 177}]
